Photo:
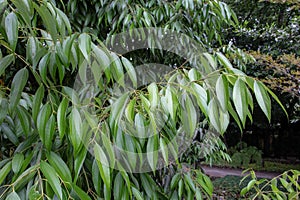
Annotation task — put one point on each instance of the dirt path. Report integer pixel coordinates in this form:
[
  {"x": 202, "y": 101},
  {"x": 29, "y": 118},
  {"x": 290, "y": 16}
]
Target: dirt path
[{"x": 221, "y": 172}]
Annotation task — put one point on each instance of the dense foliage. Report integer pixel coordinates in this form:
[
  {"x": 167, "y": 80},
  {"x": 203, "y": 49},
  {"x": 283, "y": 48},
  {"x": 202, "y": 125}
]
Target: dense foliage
[{"x": 78, "y": 122}]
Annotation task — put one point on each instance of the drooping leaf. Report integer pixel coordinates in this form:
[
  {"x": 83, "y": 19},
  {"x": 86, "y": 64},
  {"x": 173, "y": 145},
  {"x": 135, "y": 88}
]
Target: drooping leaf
[
  {"x": 5, "y": 62},
  {"x": 60, "y": 166},
  {"x": 84, "y": 42},
  {"x": 103, "y": 165},
  {"x": 239, "y": 96},
  {"x": 37, "y": 100},
  {"x": 11, "y": 28},
  {"x": 61, "y": 117},
  {"x": 130, "y": 71},
  {"x": 17, "y": 86},
  {"x": 4, "y": 171},
  {"x": 263, "y": 99},
  {"x": 52, "y": 178},
  {"x": 13, "y": 196},
  {"x": 17, "y": 162}
]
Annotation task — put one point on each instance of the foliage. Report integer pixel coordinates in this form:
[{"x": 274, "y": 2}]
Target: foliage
[
  {"x": 243, "y": 155},
  {"x": 59, "y": 143},
  {"x": 210, "y": 148},
  {"x": 285, "y": 186},
  {"x": 271, "y": 28}
]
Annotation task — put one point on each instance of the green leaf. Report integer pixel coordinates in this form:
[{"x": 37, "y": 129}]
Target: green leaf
[
  {"x": 152, "y": 152},
  {"x": 137, "y": 194},
  {"x": 222, "y": 92},
  {"x": 224, "y": 61},
  {"x": 188, "y": 180},
  {"x": 5, "y": 62},
  {"x": 42, "y": 120},
  {"x": 118, "y": 186},
  {"x": 175, "y": 180},
  {"x": 36, "y": 104},
  {"x": 263, "y": 99},
  {"x": 4, "y": 171},
  {"x": 24, "y": 120},
  {"x": 13, "y": 196},
  {"x": 52, "y": 178},
  {"x": 164, "y": 150},
  {"x": 103, "y": 165},
  {"x": 81, "y": 194},
  {"x": 189, "y": 117},
  {"x": 84, "y": 42},
  {"x": 130, "y": 71},
  {"x": 49, "y": 20},
  {"x": 17, "y": 162},
  {"x": 17, "y": 86},
  {"x": 61, "y": 117},
  {"x": 117, "y": 109},
  {"x": 60, "y": 166},
  {"x": 180, "y": 188},
  {"x": 78, "y": 162},
  {"x": 11, "y": 28},
  {"x": 3, "y": 109},
  {"x": 239, "y": 96}
]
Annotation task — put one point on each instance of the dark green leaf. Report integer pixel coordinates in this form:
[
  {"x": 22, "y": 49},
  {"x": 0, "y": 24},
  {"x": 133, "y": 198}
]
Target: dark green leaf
[
  {"x": 11, "y": 28},
  {"x": 17, "y": 86},
  {"x": 52, "y": 178}
]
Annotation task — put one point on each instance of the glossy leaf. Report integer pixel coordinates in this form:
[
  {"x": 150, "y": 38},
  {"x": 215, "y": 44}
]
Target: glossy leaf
[
  {"x": 263, "y": 99},
  {"x": 17, "y": 86},
  {"x": 11, "y": 28},
  {"x": 5, "y": 62},
  {"x": 52, "y": 178}
]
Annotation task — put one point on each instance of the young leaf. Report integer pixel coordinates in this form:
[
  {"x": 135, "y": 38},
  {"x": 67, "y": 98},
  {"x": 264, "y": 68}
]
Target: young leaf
[{"x": 52, "y": 178}]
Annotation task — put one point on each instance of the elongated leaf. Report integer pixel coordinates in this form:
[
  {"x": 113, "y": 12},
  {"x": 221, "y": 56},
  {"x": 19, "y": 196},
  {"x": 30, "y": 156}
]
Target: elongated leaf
[
  {"x": 78, "y": 162},
  {"x": 48, "y": 20},
  {"x": 61, "y": 117},
  {"x": 164, "y": 150},
  {"x": 11, "y": 28},
  {"x": 17, "y": 162},
  {"x": 17, "y": 86},
  {"x": 52, "y": 178},
  {"x": 117, "y": 109},
  {"x": 224, "y": 61},
  {"x": 81, "y": 194},
  {"x": 4, "y": 171},
  {"x": 60, "y": 167},
  {"x": 239, "y": 96},
  {"x": 13, "y": 196},
  {"x": 263, "y": 99},
  {"x": 153, "y": 95},
  {"x": 37, "y": 100},
  {"x": 84, "y": 42},
  {"x": 118, "y": 186},
  {"x": 24, "y": 120},
  {"x": 42, "y": 120},
  {"x": 152, "y": 152},
  {"x": 5, "y": 62},
  {"x": 136, "y": 193},
  {"x": 130, "y": 71},
  {"x": 222, "y": 92},
  {"x": 103, "y": 165}
]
